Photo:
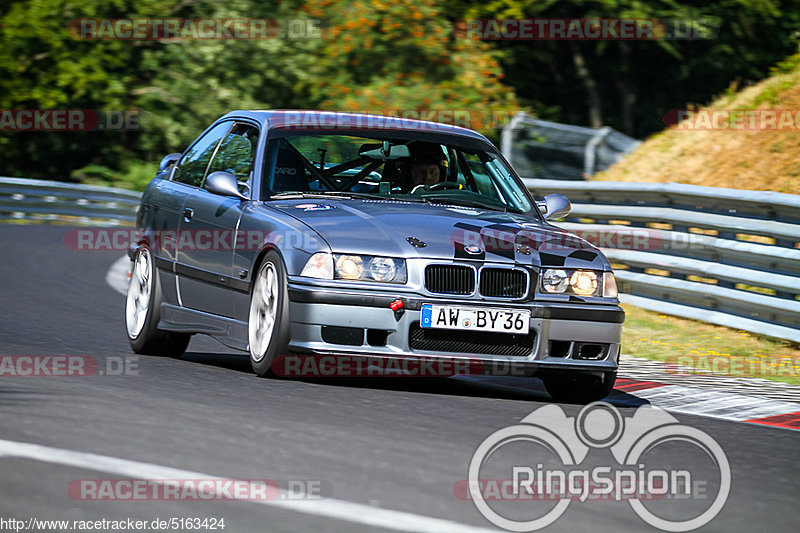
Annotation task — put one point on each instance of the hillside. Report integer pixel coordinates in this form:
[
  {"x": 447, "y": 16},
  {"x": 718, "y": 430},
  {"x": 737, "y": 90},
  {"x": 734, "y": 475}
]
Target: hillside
[{"x": 760, "y": 151}]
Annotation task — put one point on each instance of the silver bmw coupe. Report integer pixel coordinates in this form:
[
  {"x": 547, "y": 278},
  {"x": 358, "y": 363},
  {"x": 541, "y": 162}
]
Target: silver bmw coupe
[{"x": 348, "y": 235}]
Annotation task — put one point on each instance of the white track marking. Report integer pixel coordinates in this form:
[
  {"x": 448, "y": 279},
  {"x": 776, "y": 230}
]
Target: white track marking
[
  {"x": 704, "y": 402},
  {"x": 641, "y": 369},
  {"x": 329, "y": 508},
  {"x": 117, "y": 275}
]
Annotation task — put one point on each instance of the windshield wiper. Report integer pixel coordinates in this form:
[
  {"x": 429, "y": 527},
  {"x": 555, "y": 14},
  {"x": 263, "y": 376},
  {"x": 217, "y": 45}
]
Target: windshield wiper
[
  {"x": 373, "y": 196},
  {"x": 465, "y": 202},
  {"x": 297, "y": 194},
  {"x": 342, "y": 194}
]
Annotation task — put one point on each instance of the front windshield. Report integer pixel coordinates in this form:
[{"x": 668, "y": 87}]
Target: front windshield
[{"x": 392, "y": 168}]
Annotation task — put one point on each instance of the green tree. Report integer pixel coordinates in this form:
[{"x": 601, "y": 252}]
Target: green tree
[
  {"x": 179, "y": 87},
  {"x": 631, "y": 84},
  {"x": 404, "y": 56}
]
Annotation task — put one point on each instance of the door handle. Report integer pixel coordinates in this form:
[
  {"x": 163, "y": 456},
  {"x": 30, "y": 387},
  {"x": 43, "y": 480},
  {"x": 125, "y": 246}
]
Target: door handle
[{"x": 188, "y": 213}]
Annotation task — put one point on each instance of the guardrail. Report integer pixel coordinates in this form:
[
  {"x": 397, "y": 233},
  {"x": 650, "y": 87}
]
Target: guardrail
[
  {"x": 27, "y": 199},
  {"x": 725, "y": 256},
  {"x": 546, "y": 149}
]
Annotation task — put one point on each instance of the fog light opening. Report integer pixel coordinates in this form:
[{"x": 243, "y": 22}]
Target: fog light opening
[
  {"x": 591, "y": 351},
  {"x": 377, "y": 337},
  {"x": 343, "y": 335},
  {"x": 560, "y": 348}
]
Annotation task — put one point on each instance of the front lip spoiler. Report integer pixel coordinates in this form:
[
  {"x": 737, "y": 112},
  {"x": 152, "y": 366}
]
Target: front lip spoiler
[{"x": 556, "y": 311}]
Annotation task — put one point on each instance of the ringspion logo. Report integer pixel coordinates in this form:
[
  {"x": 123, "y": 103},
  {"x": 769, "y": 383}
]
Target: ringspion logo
[{"x": 543, "y": 458}]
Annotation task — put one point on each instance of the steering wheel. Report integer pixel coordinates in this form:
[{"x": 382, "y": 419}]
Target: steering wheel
[{"x": 443, "y": 185}]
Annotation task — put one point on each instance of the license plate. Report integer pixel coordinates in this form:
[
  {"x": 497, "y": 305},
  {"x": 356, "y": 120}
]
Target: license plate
[{"x": 475, "y": 319}]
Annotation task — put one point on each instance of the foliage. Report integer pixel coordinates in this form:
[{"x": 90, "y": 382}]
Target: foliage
[
  {"x": 403, "y": 56},
  {"x": 640, "y": 81},
  {"x": 377, "y": 55}
]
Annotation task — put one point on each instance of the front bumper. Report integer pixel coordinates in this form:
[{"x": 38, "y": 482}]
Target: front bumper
[{"x": 558, "y": 330}]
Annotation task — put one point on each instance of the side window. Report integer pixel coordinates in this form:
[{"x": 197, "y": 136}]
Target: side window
[
  {"x": 289, "y": 173},
  {"x": 236, "y": 152},
  {"x": 192, "y": 166}
]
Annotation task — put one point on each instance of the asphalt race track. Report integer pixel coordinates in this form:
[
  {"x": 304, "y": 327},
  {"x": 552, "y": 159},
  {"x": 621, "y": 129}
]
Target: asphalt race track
[{"x": 387, "y": 452}]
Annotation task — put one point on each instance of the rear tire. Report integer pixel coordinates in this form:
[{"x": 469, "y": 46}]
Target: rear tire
[
  {"x": 143, "y": 311},
  {"x": 268, "y": 323},
  {"x": 579, "y": 388}
]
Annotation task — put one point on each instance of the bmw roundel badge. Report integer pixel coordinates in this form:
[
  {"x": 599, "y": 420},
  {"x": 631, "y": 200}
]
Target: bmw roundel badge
[{"x": 472, "y": 249}]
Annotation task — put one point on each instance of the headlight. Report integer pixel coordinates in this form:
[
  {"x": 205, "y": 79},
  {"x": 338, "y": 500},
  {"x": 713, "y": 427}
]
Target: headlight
[
  {"x": 349, "y": 266},
  {"x": 578, "y": 282},
  {"x": 609, "y": 285},
  {"x": 356, "y": 267},
  {"x": 555, "y": 281},
  {"x": 382, "y": 269},
  {"x": 583, "y": 282},
  {"x": 319, "y": 265}
]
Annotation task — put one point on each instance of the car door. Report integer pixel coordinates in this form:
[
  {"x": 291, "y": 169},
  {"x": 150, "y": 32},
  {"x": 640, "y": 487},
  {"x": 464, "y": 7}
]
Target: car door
[
  {"x": 209, "y": 224},
  {"x": 161, "y": 211}
]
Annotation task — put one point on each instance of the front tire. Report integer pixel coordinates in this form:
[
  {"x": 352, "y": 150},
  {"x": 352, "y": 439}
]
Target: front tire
[
  {"x": 579, "y": 388},
  {"x": 268, "y": 324},
  {"x": 143, "y": 310}
]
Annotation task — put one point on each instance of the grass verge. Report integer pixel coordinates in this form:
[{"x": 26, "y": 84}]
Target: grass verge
[{"x": 712, "y": 349}]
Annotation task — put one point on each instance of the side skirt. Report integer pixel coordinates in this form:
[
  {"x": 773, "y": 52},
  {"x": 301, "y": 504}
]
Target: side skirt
[{"x": 230, "y": 332}]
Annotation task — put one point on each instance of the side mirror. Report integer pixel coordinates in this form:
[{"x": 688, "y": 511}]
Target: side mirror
[
  {"x": 555, "y": 206},
  {"x": 168, "y": 162},
  {"x": 224, "y": 184}
]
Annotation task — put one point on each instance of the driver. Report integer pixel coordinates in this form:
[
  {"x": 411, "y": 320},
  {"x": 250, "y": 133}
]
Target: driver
[{"x": 425, "y": 172}]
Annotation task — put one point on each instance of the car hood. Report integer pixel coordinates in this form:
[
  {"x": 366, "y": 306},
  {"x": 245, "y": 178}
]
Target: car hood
[{"x": 411, "y": 229}]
